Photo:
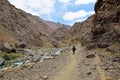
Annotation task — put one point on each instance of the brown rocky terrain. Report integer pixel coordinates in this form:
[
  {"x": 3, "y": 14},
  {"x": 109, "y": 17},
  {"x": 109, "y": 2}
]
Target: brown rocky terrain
[
  {"x": 17, "y": 25},
  {"x": 103, "y": 28},
  {"x": 61, "y": 34},
  {"x": 57, "y": 25},
  {"x": 82, "y": 30}
]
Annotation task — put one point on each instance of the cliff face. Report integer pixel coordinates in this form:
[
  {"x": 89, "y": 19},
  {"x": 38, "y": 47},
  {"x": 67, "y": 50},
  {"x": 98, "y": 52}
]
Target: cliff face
[
  {"x": 81, "y": 31},
  {"x": 104, "y": 27},
  {"x": 16, "y": 25},
  {"x": 107, "y": 21}
]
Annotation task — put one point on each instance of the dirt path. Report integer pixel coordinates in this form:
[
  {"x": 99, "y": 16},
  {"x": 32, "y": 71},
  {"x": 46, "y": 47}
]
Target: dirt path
[
  {"x": 81, "y": 68},
  {"x": 99, "y": 69},
  {"x": 64, "y": 67},
  {"x": 67, "y": 71}
]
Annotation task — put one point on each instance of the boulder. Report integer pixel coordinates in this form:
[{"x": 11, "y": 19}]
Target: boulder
[
  {"x": 116, "y": 59},
  {"x": 37, "y": 56},
  {"x": 6, "y": 47},
  {"x": 2, "y": 61},
  {"x": 90, "y": 55},
  {"x": 29, "y": 51},
  {"x": 103, "y": 45},
  {"x": 21, "y": 45},
  {"x": 109, "y": 49}
]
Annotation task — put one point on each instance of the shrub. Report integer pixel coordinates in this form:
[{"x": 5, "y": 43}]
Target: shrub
[
  {"x": 10, "y": 56},
  {"x": 115, "y": 53}
]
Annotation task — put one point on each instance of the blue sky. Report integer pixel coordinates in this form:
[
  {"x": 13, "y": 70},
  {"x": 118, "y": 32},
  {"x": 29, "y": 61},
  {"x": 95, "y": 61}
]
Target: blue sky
[{"x": 63, "y": 11}]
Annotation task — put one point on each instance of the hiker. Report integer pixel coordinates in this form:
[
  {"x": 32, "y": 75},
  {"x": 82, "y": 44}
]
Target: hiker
[{"x": 73, "y": 49}]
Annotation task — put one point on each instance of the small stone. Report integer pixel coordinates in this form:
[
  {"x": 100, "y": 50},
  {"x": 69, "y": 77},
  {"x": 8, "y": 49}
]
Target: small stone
[
  {"x": 111, "y": 67},
  {"x": 89, "y": 73},
  {"x": 94, "y": 68},
  {"x": 109, "y": 78},
  {"x": 1, "y": 76},
  {"x": 87, "y": 64},
  {"x": 82, "y": 62},
  {"x": 111, "y": 70},
  {"x": 91, "y": 55},
  {"x": 106, "y": 69},
  {"x": 45, "y": 77},
  {"x": 95, "y": 65}
]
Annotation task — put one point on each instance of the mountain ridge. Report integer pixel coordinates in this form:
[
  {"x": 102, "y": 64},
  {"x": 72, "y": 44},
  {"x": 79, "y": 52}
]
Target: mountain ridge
[{"x": 23, "y": 26}]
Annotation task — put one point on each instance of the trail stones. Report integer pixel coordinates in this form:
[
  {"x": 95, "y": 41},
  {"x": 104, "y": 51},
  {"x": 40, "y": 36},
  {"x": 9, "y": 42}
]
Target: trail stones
[{"x": 90, "y": 55}]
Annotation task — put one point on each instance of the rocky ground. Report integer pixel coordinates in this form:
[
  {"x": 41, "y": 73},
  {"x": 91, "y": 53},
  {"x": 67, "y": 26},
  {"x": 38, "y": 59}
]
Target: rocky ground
[{"x": 84, "y": 65}]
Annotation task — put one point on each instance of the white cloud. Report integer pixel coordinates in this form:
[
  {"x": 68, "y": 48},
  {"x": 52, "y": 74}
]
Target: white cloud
[
  {"x": 78, "y": 2},
  {"x": 76, "y": 15},
  {"x": 64, "y": 1},
  {"x": 38, "y": 7},
  {"x": 80, "y": 20}
]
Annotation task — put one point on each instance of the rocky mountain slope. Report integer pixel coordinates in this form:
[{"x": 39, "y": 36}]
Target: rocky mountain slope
[
  {"x": 17, "y": 25},
  {"x": 57, "y": 25},
  {"x": 103, "y": 28},
  {"x": 62, "y": 34}
]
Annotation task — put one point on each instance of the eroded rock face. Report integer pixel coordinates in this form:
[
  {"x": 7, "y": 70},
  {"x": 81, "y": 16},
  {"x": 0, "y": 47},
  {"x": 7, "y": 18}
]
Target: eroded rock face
[
  {"x": 105, "y": 29},
  {"x": 106, "y": 23}
]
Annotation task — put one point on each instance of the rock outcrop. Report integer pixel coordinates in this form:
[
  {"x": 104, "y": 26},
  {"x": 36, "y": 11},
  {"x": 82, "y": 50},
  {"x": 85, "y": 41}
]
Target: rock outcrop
[
  {"x": 106, "y": 23},
  {"x": 103, "y": 28}
]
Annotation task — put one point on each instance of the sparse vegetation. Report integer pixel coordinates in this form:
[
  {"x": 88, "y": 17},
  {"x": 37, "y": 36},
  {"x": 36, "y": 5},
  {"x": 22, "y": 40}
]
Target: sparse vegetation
[
  {"x": 115, "y": 53},
  {"x": 24, "y": 66},
  {"x": 76, "y": 40},
  {"x": 10, "y": 56},
  {"x": 63, "y": 51}
]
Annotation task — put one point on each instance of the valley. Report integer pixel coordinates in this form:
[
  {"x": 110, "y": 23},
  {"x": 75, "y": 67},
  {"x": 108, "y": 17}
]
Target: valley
[{"x": 32, "y": 48}]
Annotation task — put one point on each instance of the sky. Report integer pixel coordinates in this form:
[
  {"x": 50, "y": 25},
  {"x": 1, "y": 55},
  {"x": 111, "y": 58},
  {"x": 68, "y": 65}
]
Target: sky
[{"x": 63, "y": 11}]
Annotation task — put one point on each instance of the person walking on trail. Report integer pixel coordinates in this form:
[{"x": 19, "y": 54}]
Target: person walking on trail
[{"x": 73, "y": 49}]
